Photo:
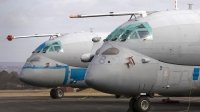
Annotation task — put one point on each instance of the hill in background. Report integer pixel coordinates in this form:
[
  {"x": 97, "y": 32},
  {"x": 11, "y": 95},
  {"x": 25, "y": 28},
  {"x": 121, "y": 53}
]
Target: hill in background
[
  {"x": 11, "y": 66},
  {"x": 10, "y": 80},
  {"x": 12, "y": 63}
]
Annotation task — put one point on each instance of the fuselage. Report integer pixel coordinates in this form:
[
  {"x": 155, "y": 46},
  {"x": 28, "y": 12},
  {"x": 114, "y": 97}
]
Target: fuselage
[
  {"x": 173, "y": 36},
  {"x": 57, "y": 61},
  {"x": 155, "y": 54}
]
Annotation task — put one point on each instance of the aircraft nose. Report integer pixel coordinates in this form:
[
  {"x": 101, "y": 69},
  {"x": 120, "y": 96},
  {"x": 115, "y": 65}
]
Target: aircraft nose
[
  {"x": 89, "y": 78},
  {"x": 22, "y": 78},
  {"x": 26, "y": 76},
  {"x": 97, "y": 79}
]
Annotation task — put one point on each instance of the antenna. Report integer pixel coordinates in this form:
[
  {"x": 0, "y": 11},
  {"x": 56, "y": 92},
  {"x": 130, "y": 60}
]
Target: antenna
[
  {"x": 176, "y": 4},
  {"x": 91, "y": 29},
  {"x": 190, "y": 6}
]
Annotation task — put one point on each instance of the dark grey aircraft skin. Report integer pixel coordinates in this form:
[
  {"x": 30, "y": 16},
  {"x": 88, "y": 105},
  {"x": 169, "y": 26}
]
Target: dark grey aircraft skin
[{"x": 158, "y": 53}]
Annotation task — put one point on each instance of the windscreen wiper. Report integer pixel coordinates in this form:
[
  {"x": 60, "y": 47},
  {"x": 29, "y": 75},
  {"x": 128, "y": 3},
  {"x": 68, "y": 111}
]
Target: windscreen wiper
[
  {"x": 123, "y": 40},
  {"x": 114, "y": 39}
]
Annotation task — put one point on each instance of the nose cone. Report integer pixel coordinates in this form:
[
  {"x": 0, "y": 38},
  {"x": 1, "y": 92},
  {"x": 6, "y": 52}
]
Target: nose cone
[
  {"x": 98, "y": 79},
  {"x": 89, "y": 79},
  {"x": 23, "y": 77},
  {"x": 28, "y": 76},
  {"x": 43, "y": 72}
]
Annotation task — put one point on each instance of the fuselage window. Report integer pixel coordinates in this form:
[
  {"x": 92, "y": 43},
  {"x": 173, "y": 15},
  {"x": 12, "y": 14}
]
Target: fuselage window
[{"x": 143, "y": 34}]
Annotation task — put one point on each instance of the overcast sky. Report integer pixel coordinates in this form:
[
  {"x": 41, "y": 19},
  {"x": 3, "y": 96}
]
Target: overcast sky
[{"x": 25, "y": 17}]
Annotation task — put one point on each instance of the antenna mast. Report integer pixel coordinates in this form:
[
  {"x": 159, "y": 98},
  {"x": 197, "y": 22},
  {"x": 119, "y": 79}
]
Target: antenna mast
[
  {"x": 91, "y": 29},
  {"x": 190, "y": 6},
  {"x": 176, "y": 4}
]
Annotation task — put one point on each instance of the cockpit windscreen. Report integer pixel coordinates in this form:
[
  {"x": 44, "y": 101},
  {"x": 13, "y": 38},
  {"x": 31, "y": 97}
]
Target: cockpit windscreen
[
  {"x": 54, "y": 46},
  {"x": 132, "y": 31}
]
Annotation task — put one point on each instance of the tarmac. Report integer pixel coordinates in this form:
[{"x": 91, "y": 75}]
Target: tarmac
[{"x": 85, "y": 103}]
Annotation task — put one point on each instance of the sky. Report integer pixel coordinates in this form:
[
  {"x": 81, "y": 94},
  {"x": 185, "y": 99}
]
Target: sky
[{"x": 27, "y": 17}]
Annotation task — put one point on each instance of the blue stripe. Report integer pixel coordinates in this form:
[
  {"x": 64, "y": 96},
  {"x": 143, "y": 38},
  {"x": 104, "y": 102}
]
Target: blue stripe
[
  {"x": 66, "y": 75},
  {"x": 77, "y": 74},
  {"x": 196, "y": 74},
  {"x": 44, "y": 67}
]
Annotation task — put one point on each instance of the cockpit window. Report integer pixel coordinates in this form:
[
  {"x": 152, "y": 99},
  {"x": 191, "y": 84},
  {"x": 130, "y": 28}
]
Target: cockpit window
[
  {"x": 126, "y": 34},
  {"x": 143, "y": 34},
  {"x": 117, "y": 34},
  {"x": 57, "y": 48},
  {"x": 132, "y": 31},
  {"x": 55, "y": 43},
  {"x": 37, "y": 50},
  {"x": 140, "y": 26},
  {"x": 133, "y": 36},
  {"x": 50, "y": 47},
  {"x": 46, "y": 48}
]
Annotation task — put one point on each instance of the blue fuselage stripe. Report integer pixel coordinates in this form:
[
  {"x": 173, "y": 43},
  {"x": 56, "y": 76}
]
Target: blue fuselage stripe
[
  {"x": 196, "y": 74},
  {"x": 66, "y": 75},
  {"x": 43, "y": 67},
  {"x": 77, "y": 74}
]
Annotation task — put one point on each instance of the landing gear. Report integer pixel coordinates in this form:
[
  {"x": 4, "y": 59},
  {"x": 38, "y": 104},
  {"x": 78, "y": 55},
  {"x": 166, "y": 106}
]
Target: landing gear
[
  {"x": 52, "y": 92},
  {"x": 139, "y": 104},
  {"x": 56, "y": 93}
]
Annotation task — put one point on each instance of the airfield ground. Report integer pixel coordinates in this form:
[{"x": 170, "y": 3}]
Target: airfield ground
[{"x": 85, "y": 101}]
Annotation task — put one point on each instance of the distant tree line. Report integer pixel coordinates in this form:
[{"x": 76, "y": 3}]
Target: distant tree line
[{"x": 11, "y": 81}]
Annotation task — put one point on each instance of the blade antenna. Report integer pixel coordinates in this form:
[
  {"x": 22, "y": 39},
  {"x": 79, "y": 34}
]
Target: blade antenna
[
  {"x": 130, "y": 17},
  {"x": 51, "y": 37},
  {"x": 134, "y": 16}
]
